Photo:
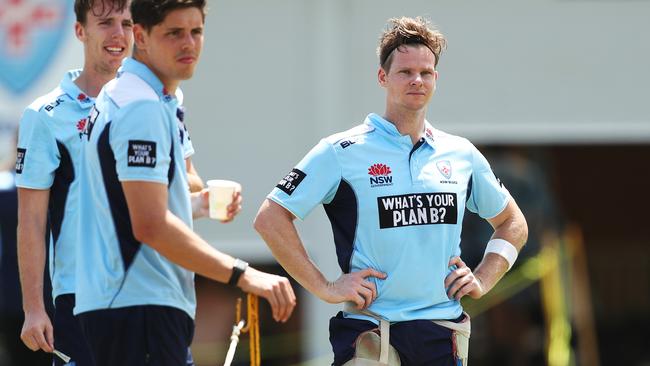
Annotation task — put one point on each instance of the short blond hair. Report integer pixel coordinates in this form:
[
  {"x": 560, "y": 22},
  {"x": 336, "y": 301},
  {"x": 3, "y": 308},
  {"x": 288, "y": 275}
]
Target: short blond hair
[{"x": 409, "y": 31}]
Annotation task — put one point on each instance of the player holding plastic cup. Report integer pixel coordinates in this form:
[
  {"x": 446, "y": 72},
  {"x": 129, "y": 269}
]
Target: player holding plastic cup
[{"x": 136, "y": 298}]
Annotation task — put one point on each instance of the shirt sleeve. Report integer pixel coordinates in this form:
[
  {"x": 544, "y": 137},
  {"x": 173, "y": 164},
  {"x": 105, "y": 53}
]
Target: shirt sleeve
[
  {"x": 313, "y": 181},
  {"x": 37, "y": 156},
  {"x": 488, "y": 196},
  {"x": 142, "y": 142}
]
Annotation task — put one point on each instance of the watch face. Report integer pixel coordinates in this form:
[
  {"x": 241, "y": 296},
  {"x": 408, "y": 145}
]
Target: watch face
[{"x": 238, "y": 268}]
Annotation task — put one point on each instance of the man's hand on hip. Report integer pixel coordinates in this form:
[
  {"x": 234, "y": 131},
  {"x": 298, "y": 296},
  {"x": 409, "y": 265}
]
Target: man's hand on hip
[
  {"x": 462, "y": 281},
  {"x": 354, "y": 287}
]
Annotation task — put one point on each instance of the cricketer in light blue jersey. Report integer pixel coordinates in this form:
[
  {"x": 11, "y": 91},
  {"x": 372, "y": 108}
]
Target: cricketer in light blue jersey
[
  {"x": 397, "y": 208},
  {"x": 133, "y": 135},
  {"x": 48, "y": 149},
  {"x": 395, "y": 190},
  {"x": 49, "y": 145}
]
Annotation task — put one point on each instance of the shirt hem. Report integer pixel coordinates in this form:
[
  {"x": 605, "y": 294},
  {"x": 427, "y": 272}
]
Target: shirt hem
[
  {"x": 284, "y": 205},
  {"x": 81, "y": 308},
  {"x": 144, "y": 179}
]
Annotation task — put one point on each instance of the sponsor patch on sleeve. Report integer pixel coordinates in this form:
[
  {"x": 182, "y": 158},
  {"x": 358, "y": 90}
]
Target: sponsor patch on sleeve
[
  {"x": 289, "y": 183},
  {"x": 417, "y": 209},
  {"x": 142, "y": 153},
  {"x": 20, "y": 160}
]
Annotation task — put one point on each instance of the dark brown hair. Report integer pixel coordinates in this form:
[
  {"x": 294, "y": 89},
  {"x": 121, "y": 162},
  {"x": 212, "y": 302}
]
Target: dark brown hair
[
  {"x": 149, "y": 13},
  {"x": 82, "y": 7},
  {"x": 408, "y": 31}
]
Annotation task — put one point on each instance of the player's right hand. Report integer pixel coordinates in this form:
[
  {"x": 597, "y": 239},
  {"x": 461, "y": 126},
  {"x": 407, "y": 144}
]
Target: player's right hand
[
  {"x": 37, "y": 332},
  {"x": 275, "y": 289},
  {"x": 354, "y": 287}
]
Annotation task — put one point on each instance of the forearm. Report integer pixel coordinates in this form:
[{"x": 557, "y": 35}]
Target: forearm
[
  {"x": 198, "y": 211},
  {"x": 512, "y": 228},
  {"x": 193, "y": 178},
  {"x": 491, "y": 270},
  {"x": 178, "y": 243},
  {"x": 31, "y": 264},
  {"x": 195, "y": 182},
  {"x": 281, "y": 236}
]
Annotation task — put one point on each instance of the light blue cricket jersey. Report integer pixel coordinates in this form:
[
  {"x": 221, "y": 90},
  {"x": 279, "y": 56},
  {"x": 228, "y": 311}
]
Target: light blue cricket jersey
[
  {"x": 133, "y": 135},
  {"x": 49, "y": 139},
  {"x": 396, "y": 207}
]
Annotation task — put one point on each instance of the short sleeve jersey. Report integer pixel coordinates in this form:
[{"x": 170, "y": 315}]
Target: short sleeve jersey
[
  {"x": 133, "y": 135},
  {"x": 396, "y": 207},
  {"x": 49, "y": 140}
]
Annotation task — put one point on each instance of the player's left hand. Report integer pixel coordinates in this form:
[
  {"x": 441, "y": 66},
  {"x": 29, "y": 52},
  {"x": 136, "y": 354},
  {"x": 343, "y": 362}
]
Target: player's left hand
[
  {"x": 201, "y": 205},
  {"x": 234, "y": 207},
  {"x": 461, "y": 281}
]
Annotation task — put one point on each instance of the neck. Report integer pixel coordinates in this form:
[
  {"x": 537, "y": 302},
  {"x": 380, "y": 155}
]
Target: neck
[
  {"x": 407, "y": 122},
  {"x": 91, "y": 81},
  {"x": 170, "y": 85}
]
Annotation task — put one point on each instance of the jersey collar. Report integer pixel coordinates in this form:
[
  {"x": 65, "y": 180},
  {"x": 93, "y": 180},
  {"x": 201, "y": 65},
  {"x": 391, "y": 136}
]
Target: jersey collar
[
  {"x": 133, "y": 66},
  {"x": 389, "y": 128},
  {"x": 429, "y": 133},
  {"x": 71, "y": 89}
]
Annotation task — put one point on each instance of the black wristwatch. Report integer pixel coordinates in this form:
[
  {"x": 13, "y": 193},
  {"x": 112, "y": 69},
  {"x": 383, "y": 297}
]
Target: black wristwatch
[{"x": 237, "y": 269}]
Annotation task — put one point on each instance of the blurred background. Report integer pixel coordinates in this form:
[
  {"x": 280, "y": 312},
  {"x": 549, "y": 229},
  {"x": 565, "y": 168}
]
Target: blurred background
[{"x": 556, "y": 93}]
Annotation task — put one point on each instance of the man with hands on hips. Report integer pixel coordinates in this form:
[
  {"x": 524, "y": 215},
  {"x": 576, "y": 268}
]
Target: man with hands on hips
[{"x": 395, "y": 189}]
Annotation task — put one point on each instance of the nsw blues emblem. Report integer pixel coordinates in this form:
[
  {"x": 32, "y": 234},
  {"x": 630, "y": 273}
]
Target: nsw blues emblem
[
  {"x": 444, "y": 167},
  {"x": 31, "y": 32}
]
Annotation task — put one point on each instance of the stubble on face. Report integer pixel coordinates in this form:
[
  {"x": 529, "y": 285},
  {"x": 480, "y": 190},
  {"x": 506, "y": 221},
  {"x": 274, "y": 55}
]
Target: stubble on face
[
  {"x": 109, "y": 37},
  {"x": 410, "y": 80}
]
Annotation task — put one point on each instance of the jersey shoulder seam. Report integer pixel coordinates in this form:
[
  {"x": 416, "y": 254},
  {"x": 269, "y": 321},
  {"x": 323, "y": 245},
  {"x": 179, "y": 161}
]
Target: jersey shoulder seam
[
  {"x": 47, "y": 99},
  {"x": 129, "y": 88},
  {"x": 358, "y": 130}
]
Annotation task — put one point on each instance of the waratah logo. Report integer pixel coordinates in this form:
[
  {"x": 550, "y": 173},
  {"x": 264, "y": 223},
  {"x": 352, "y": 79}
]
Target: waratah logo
[
  {"x": 380, "y": 175},
  {"x": 379, "y": 169}
]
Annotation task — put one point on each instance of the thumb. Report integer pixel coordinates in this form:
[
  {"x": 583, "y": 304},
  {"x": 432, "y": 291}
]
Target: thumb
[
  {"x": 205, "y": 197},
  {"x": 49, "y": 336}
]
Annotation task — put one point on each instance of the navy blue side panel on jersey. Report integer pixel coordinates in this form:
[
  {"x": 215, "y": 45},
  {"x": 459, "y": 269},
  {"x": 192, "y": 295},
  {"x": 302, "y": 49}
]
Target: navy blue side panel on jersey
[
  {"x": 172, "y": 165},
  {"x": 343, "y": 215},
  {"x": 469, "y": 188},
  {"x": 63, "y": 177},
  {"x": 129, "y": 245}
]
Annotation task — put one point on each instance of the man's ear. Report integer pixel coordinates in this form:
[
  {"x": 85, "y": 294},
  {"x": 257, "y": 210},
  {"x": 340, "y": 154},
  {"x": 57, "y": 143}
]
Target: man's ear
[
  {"x": 79, "y": 31},
  {"x": 140, "y": 37},
  {"x": 381, "y": 76}
]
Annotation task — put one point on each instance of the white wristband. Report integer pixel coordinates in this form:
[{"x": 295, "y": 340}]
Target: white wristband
[{"x": 504, "y": 249}]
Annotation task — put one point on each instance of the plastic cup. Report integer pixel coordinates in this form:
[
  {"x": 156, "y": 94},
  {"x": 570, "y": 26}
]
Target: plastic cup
[{"x": 220, "y": 197}]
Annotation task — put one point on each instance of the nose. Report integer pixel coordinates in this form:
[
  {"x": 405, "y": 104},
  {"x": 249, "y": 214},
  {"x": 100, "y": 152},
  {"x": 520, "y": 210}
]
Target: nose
[
  {"x": 189, "y": 42},
  {"x": 119, "y": 31},
  {"x": 417, "y": 80}
]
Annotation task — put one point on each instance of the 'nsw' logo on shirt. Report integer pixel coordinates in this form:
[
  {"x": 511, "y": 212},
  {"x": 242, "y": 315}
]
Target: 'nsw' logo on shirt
[{"x": 417, "y": 209}]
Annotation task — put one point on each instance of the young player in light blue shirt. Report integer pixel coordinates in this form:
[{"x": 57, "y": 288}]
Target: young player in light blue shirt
[
  {"x": 395, "y": 190},
  {"x": 47, "y": 170},
  {"x": 47, "y": 176},
  {"x": 135, "y": 270}
]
